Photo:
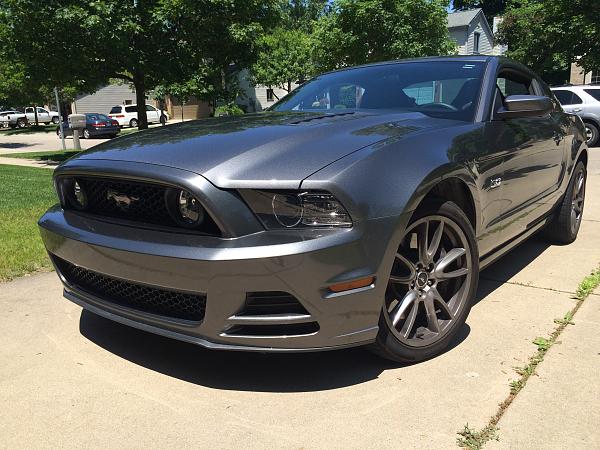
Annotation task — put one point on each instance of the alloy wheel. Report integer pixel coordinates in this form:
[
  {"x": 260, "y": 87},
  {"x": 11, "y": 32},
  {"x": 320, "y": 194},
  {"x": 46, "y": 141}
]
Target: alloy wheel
[
  {"x": 577, "y": 201},
  {"x": 429, "y": 283}
]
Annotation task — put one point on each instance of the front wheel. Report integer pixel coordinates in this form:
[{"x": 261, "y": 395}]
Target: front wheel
[
  {"x": 86, "y": 133},
  {"x": 55, "y": 120},
  {"x": 432, "y": 285}
]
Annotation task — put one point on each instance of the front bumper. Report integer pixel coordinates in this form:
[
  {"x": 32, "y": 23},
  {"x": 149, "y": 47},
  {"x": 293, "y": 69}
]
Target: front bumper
[{"x": 302, "y": 264}]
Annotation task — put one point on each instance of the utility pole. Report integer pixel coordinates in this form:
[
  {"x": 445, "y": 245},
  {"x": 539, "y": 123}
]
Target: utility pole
[{"x": 60, "y": 119}]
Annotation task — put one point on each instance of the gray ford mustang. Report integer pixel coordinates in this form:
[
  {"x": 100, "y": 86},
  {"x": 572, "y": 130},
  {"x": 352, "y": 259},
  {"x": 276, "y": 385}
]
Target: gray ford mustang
[{"x": 358, "y": 210}]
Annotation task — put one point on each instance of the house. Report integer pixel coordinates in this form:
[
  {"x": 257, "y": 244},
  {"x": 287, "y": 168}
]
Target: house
[
  {"x": 111, "y": 95},
  {"x": 472, "y": 33},
  {"x": 579, "y": 76}
]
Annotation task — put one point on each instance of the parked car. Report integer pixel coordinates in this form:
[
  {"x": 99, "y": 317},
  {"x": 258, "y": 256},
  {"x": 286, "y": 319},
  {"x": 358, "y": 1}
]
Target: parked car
[
  {"x": 127, "y": 115},
  {"x": 13, "y": 119},
  {"x": 44, "y": 116},
  {"x": 95, "y": 125},
  {"x": 359, "y": 210},
  {"x": 584, "y": 101}
]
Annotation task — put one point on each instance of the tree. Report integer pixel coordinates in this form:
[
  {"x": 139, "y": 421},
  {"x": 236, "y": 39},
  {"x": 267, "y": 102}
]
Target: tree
[
  {"x": 363, "y": 31},
  {"x": 285, "y": 58},
  {"x": 143, "y": 42},
  {"x": 491, "y": 8},
  {"x": 548, "y": 35}
]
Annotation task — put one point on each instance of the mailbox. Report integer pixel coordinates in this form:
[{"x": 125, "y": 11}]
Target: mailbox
[{"x": 77, "y": 121}]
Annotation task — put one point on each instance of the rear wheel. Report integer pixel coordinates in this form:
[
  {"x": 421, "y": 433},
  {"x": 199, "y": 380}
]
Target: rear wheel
[
  {"x": 592, "y": 133},
  {"x": 565, "y": 226},
  {"x": 21, "y": 123},
  {"x": 431, "y": 286},
  {"x": 133, "y": 123}
]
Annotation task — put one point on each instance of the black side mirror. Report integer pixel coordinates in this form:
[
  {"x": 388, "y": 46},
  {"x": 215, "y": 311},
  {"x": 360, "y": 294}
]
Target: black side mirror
[{"x": 516, "y": 106}]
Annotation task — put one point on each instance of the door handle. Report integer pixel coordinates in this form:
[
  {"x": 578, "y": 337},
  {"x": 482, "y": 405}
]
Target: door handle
[{"x": 577, "y": 109}]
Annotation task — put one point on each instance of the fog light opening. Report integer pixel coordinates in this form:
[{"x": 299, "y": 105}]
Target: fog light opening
[{"x": 349, "y": 285}]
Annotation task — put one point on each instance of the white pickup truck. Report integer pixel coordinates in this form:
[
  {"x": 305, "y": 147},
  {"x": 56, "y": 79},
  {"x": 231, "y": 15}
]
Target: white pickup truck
[
  {"x": 13, "y": 119},
  {"x": 44, "y": 116}
]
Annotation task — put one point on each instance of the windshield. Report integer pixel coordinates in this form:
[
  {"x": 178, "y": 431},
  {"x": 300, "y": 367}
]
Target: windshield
[{"x": 447, "y": 89}]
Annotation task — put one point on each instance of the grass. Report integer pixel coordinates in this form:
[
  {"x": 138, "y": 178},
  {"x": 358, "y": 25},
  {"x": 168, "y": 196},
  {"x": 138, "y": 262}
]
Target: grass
[
  {"x": 475, "y": 440},
  {"x": 25, "y": 195},
  {"x": 51, "y": 128},
  {"x": 49, "y": 156}
]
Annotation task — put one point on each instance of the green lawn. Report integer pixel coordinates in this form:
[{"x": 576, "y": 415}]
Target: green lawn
[
  {"x": 25, "y": 193},
  {"x": 51, "y": 128},
  {"x": 50, "y": 156}
]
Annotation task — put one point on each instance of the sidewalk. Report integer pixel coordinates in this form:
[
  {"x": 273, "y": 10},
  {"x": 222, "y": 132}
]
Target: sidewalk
[{"x": 560, "y": 408}]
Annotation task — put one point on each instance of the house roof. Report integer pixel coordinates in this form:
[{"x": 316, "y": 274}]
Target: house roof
[{"x": 462, "y": 18}]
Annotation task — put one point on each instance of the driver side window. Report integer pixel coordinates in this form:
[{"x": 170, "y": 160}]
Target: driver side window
[{"x": 511, "y": 83}]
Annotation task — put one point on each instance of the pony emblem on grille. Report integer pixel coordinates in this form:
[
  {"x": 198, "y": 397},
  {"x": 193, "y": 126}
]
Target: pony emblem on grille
[{"x": 123, "y": 201}]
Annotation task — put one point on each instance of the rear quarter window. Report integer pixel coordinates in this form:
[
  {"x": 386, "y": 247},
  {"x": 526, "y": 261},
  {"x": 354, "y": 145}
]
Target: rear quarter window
[{"x": 115, "y": 110}]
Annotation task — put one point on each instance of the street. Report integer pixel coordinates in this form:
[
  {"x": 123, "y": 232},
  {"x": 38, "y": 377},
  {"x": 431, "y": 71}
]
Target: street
[{"x": 70, "y": 378}]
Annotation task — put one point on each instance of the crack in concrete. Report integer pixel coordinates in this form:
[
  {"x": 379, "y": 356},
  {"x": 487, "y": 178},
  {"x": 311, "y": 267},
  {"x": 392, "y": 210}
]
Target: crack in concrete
[{"x": 515, "y": 283}]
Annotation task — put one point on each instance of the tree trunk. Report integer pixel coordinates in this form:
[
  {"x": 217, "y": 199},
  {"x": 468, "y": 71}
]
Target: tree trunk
[
  {"x": 35, "y": 113},
  {"x": 140, "y": 99},
  {"x": 289, "y": 89}
]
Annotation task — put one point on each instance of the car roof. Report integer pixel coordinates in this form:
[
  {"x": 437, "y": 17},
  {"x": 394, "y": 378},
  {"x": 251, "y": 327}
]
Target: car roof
[{"x": 576, "y": 86}]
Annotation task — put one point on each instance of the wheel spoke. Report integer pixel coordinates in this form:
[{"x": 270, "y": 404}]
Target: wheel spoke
[
  {"x": 435, "y": 242},
  {"x": 448, "y": 259},
  {"x": 400, "y": 310},
  {"x": 404, "y": 279},
  {"x": 432, "y": 321},
  {"x": 423, "y": 242},
  {"x": 410, "y": 320},
  {"x": 442, "y": 303}
]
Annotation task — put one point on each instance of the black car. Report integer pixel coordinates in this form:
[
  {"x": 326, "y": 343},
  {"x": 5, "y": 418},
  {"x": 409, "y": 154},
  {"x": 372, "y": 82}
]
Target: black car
[
  {"x": 95, "y": 125},
  {"x": 358, "y": 210}
]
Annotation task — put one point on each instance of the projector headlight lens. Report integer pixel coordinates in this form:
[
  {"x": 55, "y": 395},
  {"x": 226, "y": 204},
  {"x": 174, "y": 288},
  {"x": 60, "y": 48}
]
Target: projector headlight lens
[{"x": 305, "y": 209}]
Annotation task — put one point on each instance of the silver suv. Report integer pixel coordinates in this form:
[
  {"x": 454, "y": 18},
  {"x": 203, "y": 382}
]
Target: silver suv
[{"x": 584, "y": 101}]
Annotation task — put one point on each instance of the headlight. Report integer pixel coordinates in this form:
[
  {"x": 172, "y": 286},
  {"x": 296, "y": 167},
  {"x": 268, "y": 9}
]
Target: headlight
[{"x": 304, "y": 209}]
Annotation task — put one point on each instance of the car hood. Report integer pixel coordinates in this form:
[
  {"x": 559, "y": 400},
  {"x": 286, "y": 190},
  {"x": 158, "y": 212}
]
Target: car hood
[{"x": 243, "y": 151}]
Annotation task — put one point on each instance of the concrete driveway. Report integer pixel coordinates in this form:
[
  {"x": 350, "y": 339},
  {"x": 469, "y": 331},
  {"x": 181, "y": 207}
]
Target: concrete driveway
[{"x": 71, "y": 379}]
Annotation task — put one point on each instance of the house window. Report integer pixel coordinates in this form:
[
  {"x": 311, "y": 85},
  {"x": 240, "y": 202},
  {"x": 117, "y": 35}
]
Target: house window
[
  {"x": 595, "y": 77},
  {"x": 270, "y": 95},
  {"x": 476, "y": 37}
]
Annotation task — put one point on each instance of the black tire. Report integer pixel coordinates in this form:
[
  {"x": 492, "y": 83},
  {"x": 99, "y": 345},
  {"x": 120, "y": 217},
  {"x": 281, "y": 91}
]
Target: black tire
[
  {"x": 567, "y": 219},
  {"x": 55, "y": 120},
  {"x": 388, "y": 344},
  {"x": 86, "y": 134},
  {"x": 133, "y": 123},
  {"x": 21, "y": 123},
  {"x": 593, "y": 132}
]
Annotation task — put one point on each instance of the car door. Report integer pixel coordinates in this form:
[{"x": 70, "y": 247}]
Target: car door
[
  {"x": 30, "y": 114},
  {"x": 152, "y": 113},
  {"x": 570, "y": 101},
  {"x": 534, "y": 150},
  {"x": 43, "y": 115}
]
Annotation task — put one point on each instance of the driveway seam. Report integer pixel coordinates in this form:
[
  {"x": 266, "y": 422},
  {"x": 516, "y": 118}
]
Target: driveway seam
[{"x": 515, "y": 283}]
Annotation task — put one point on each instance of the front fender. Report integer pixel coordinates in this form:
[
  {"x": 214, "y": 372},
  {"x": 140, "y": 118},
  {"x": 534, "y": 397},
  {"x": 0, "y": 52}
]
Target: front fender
[{"x": 391, "y": 178}]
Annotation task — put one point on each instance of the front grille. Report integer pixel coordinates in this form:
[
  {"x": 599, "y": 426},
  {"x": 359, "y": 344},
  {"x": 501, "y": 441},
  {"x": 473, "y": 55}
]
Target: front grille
[
  {"x": 134, "y": 201},
  {"x": 173, "y": 304}
]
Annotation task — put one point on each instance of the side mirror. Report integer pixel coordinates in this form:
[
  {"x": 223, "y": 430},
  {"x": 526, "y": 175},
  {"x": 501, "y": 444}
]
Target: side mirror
[{"x": 516, "y": 106}]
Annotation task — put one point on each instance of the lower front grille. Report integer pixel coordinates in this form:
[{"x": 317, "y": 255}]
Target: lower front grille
[{"x": 173, "y": 304}]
